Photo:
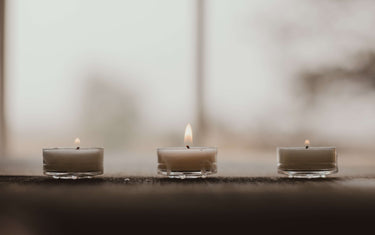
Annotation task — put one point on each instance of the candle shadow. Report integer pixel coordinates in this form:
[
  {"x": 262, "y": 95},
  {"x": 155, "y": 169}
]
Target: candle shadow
[
  {"x": 48, "y": 180},
  {"x": 301, "y": 180},
  {"x": 92, "y": 181}
]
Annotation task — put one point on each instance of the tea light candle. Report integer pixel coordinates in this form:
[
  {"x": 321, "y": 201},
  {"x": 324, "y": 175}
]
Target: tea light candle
[
  {"x": 307, "y": 162},
  {"x": 73, "y": 163},
  {"x": 187, "y": 162}
]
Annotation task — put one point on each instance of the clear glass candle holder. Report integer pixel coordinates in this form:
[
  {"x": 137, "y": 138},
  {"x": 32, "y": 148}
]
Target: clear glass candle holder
[
  {"x": 194, "y": 162},
  {"x": 72, "y": 163},
  {"x": 310, "y": 162}
]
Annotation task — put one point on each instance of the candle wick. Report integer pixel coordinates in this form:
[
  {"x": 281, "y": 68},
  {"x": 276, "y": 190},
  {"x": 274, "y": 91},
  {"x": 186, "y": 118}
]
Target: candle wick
[
  {"x": 187, "y": 146},
  {"x": 307, "y": 146},
  {"x": 77, "y": 148}
]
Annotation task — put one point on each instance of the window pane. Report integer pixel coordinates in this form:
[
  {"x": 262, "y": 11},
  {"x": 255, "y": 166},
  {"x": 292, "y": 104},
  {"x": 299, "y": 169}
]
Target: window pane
[{"x": 110, "y": 72}]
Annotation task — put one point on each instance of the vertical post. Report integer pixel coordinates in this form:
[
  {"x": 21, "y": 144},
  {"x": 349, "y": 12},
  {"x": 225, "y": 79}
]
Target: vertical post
[
  {"x": 2, "y": 65},
  {"x": 199, "y": 68}
]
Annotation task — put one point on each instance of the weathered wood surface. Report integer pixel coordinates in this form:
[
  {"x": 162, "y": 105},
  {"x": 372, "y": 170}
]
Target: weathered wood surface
[{"x": 40, "y": 205}]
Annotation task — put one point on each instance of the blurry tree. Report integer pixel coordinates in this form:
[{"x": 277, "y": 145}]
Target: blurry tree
[
  {"x": 361, "y": 73},
  {"x": 109, "y": 113}
]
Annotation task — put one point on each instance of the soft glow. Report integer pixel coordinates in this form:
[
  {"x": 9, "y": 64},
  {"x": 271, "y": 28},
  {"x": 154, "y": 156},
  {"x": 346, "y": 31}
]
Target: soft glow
[
  {"x": 188, "y": 140},
  {"x": 307, "y": 142},
  {"x": 77, "y": 141}
]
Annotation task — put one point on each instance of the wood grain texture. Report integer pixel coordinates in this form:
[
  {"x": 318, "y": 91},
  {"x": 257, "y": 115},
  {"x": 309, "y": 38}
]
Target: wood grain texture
[{"x": 40, "y": 205}]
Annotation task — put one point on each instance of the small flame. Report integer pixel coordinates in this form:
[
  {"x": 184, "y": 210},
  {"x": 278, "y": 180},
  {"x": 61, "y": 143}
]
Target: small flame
[
  {"x": 188, "y": 140},
  {"x": 307, "y": 143},
  {"x": 77, "y": 141}
]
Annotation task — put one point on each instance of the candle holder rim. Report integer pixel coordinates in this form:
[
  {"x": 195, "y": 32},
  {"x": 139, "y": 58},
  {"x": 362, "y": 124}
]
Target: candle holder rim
[
  {"x": 310, "y": 147},
  {"x": 73, "y": 148},
  {"x": 184, "y": 148}
]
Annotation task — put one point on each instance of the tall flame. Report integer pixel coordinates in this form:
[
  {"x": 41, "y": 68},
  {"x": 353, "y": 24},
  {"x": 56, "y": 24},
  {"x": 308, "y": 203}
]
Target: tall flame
[
  {"x": 307, "y": 142},
  {"x": 188, "y": 140},
  {"x": 77, "y": 141}
]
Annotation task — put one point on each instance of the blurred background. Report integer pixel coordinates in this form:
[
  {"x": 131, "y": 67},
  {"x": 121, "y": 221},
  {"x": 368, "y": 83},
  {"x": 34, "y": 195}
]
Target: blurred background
[{"x": 129, "y": 75}]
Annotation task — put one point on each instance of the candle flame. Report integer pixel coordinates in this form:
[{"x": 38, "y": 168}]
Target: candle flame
[
  {"x": 77, "y": 141},
  {"x": 188, "y": 140},
  {"x": 307, "y": 142}
]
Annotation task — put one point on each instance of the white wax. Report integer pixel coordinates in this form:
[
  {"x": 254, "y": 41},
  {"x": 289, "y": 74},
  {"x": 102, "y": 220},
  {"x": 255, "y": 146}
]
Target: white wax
[
  {"x": 312, "y": 158},
  {"x": 73, "y": 160},
  {"x": 183, "y": 159}
]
